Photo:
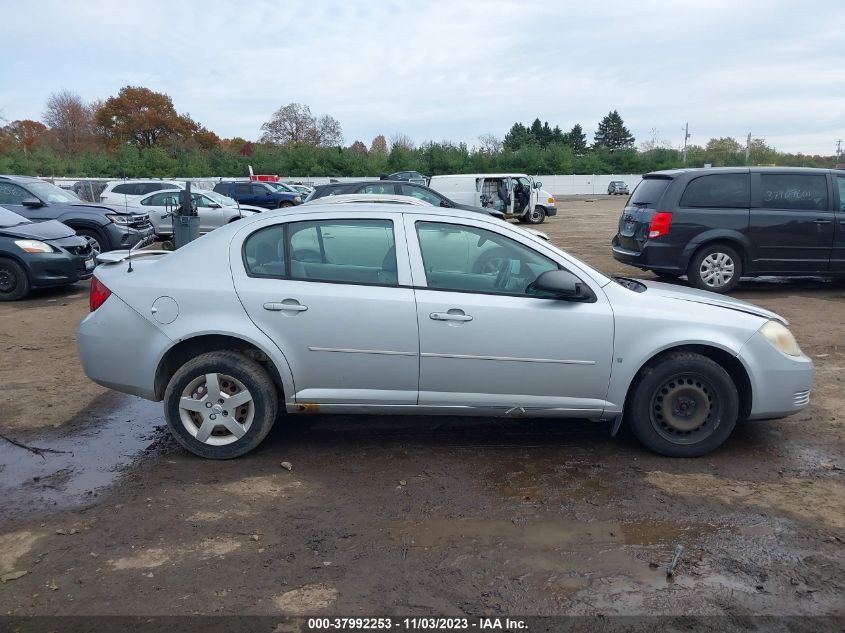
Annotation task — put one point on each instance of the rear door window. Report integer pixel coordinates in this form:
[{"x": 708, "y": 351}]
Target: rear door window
[
  {"x": 649, "y": 191},
  {"x": 378, "y": 188},
  {"x": 798, "y": 192},
  {"x": 243, "y": 190},
  {"x": 346, "y": 251},
  {"x": 841, "y": 181},
  {"x": 12, "y": 194},
  {"x": 719, "y": 191}
]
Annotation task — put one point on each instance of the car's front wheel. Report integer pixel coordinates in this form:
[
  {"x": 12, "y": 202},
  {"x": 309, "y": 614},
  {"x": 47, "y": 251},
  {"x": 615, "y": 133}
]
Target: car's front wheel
[
  {"x": 14, "y": 283},
  {"x": 683, "y": 405},
  {"x": 95, "y": 241},
  {"x": 536, "y": 216},
  {"x": 284, "y": 204},
  {"x": 220, "y": 405}
]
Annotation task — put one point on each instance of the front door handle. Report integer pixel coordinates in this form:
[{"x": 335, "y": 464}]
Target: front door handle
[
  {"x": 288, "y": 305},
  {"x": 451, "y": 315}
]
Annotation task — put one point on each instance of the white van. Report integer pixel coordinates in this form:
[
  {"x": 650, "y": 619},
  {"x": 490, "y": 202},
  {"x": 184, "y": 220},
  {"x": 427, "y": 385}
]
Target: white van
[{"x": 515, "y": 195}]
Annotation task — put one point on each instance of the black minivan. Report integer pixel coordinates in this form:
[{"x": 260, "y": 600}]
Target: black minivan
[{"x": 715, "y": 225}]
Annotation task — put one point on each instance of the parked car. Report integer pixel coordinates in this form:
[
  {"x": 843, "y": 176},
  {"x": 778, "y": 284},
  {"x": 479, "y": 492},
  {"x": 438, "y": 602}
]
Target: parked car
[
  {"x": 213, "y": 209},
  {"x": 369, "y": 198},
  {"x": 394, "y": 188},
  {"x": 301, "y": 189},
  {"x": 717, "y": 225},
  {"x": 118, "y": 192},
  {"x": 104, "y": 227},
  {"x": 408, "y": 176},
  {"x": 617, "y": 188},
  {"x": 425, "y": 310},
  {"x": 515, "y": 195},
  {"x": 39, "y": 255},
  {"x": 259, "y": 194}
]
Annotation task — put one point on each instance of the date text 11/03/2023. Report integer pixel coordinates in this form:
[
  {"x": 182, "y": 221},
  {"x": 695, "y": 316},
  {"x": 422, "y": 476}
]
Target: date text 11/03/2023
[{"x": 418, "y": 624}]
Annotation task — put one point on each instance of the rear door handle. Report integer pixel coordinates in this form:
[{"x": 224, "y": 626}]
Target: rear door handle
[
  {"x": 822, "y": 221},
  {"x": 288, "y": 305},
  {"x": 451, "y": 315}
]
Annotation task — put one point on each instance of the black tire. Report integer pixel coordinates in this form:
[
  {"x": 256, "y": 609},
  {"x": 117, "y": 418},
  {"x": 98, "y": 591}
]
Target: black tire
[
  {"x": 666, "y": 405},
  {"x": 284, "y": 204},
  {"x": 14, "y": 282},
  {"x": 704, "y": 257},
  {"x": 96, "y": 241},
  {"x": 537, "y": 216},
  {"x": 245, "y": 370}
]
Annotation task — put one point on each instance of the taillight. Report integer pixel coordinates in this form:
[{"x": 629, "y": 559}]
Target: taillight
[
  {"x": 660, "y": 223},
  {"x": 99, "y": 294}
]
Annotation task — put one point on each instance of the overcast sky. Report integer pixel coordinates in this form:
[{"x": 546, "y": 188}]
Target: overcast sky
[{"x": 449, "y": 70}]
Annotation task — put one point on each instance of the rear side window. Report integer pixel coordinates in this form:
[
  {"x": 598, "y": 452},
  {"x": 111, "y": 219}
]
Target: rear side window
[
  {"x": 800, "y": 192},
  {"x": 264, "y": 252},
  {"x": 12, "y": 194},
  {"x": 649, "y": 191},
  {"x": 243, "y": 190},
  {"x": 347, "y": 251},
  {"x": 720, "y": 191},
  {"x": 127, "y": 189}
]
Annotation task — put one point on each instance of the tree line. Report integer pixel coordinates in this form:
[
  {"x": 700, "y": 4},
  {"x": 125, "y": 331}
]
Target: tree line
[{"x": 139, "y": 133}]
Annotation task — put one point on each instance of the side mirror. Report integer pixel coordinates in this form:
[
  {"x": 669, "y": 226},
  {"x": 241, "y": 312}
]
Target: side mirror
[
  {"x": 562, "y": 284},
  {"x": 537, "y": 185},
  {"x": 213, "y": 205},
  {"x": 445, "y": 204},
  {"x": 32, "y": 202}
]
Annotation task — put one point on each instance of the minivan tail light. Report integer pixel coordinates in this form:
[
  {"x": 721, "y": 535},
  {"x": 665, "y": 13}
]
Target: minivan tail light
[
  {"x": 660, "y": 223},
  {"x": 99, "y": 294}
]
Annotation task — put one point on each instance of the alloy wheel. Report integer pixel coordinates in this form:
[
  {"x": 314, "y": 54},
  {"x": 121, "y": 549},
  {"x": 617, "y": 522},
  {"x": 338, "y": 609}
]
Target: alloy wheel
[{"x": 216, "y": 409}]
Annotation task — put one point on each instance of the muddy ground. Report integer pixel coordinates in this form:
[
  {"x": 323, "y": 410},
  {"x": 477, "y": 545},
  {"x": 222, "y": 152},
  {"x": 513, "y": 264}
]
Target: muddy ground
[{"x": 415, "y": 516}]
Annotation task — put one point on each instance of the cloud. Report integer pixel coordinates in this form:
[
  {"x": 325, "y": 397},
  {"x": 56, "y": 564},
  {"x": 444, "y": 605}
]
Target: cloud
[{"x": 456, "y": 69}]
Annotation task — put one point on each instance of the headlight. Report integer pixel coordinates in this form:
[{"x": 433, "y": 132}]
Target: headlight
[
  {"x": 297, "y": 200},
  {"x": 781, "y": 338},
  {"x": 119, "y": 219},
  {"x": 33, "y": 246}
]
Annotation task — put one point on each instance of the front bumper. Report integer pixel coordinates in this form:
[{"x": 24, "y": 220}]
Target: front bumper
[
  {"x": 58, "y": 269},
  {"x": 121, "y": 237},
  {"x": 780, "y": 384},
  {"x": 550, "y": 211}
]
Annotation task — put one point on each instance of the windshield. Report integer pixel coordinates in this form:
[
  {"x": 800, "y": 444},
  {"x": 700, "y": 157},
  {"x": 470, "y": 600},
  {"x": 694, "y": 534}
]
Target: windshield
[
  {"x": 278, "y": 186},
  {"x": 51, "y": 193},
  {"x": 220, "y": 199},
  {"x": 8, "y": 218}
]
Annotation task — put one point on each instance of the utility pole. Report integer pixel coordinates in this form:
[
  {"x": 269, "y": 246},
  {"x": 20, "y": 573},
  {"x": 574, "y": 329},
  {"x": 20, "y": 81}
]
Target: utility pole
[
  {"x": 839, "y": 151},
  {"x": 686, "y": 137},
  {"x": 748, "y": 148}
]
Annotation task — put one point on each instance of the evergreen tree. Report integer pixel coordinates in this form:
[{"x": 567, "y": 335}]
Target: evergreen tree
[
  {"x": 577, "y": 140},
  {"x": 518, "y": 137},
  {"x": 612, "y": 133}
]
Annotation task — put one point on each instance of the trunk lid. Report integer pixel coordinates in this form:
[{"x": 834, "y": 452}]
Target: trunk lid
[{"x": 640, "y": 208}]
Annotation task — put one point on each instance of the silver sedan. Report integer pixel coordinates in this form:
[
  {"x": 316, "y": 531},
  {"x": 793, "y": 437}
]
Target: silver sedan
[{"x": 398, "y": 309}]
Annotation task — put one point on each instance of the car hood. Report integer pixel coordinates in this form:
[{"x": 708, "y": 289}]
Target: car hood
[
  {"x": 683, "y": 293},
  {"x": 49, "y": 230}
]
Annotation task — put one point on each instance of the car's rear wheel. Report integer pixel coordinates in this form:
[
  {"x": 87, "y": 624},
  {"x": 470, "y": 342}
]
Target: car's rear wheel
[
  {"x": 95, "y": 241},
  {"x": 536, "y": 216},
  {"x": 220, "y": 405},
  {"x": 14, "y": 282},
  {"x": 683, "y": 405},
  {"x": 715, "y": 267}
]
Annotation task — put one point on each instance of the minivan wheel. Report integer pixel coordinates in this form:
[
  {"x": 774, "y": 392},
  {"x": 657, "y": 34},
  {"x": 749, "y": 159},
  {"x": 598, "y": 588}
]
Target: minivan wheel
[
  {"x": 716, "y": 267},
  {"x": 220, "y": 405},
  {"x": 536, "y": 215},
  {"x": 683, "y": 405},
  {"x": 14, "y": 284}
]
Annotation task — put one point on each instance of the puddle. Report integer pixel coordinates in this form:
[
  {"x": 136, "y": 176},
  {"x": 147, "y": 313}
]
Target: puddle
[{"x": 97, "y": 447}]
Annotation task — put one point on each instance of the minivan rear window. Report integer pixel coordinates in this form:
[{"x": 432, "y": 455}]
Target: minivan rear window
[
  {"x": 718, "y": 191},
  {"x": 649, "y": 191}
]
